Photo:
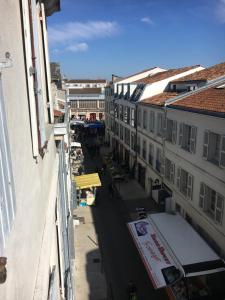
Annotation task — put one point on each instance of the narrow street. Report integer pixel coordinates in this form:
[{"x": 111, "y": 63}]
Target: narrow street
[{"x": 120, "y": 257}]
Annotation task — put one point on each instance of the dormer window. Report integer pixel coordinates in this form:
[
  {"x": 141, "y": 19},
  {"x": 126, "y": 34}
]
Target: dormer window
[{"x": 174, "y": 87}]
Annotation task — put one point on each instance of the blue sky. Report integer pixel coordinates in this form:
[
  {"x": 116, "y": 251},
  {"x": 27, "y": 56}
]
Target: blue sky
[{"x": 94, "y": 39}]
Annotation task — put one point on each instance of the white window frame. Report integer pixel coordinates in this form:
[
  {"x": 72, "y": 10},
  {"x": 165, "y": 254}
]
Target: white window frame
[
  {"x": 169, "y": 170},
  {"x": 193, "y": 137},
  {"x": 207, "y": 145},
  {"x": 189, "y": 183},
  {"x": 152, "y": 121},
  {"x": 173, "y": 132},
  {"x": 7, "y": 188},
  {"x": 204, "y": 203}
]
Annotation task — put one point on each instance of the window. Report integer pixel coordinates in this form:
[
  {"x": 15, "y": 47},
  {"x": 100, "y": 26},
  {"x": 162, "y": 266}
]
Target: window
[
  {"x": 151, "y": 154},
  {"x": 144, "y": 149},
  {"x": 211, "y": 202},
  {"x": 121, "y": 112},
  {"x": 160, "y": 124},
  {"x": 125, "y": 114},
  {"x": 137, "y": 92},
  {"x": 88, "y": 104},
  {"x": 145, "y": 119},
  {"x": 128, "y": 115},
  {"x": 139, "y": 116},
  {"x": 132, "y": 117},
  {"x": 7, "y": 190},
  {"x": 171, "y": 131},
  {"x": 127, "y": 136},
  {"x": 187, "y": 137},
  {"x": 159, "y": 160},
  {"x": 121, "y": 132},
  {"x": 152, "y": 121},
  {"x": 116, "y": 110},
  {"x": 101, "y": 104},
  {"x": 133, "y": 141},
  {"x": 185, "y": 182},
  {"x": 169, "y": 170},
  {"x": 74, "y": 103},
  {"x": 214, "y": 148}
]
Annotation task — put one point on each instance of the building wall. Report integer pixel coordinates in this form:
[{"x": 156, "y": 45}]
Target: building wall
[
  {"x": 202, "y": 171},
  {"x": 31, "y": 245},
  {"x": 158, "y": 87}
]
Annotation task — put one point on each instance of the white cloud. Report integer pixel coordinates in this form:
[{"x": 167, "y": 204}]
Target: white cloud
[
  {"x": 220, "y": 11},
  {"x": 78, "y": 32},
  {"x": 147, "y": 20},
  {"x": 78, "y": 47}
]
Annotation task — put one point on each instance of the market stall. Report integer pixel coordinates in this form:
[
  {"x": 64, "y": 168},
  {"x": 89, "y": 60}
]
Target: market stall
[
  {"x": 177, "y": 258},
  {"x": 86, "y": 186}
]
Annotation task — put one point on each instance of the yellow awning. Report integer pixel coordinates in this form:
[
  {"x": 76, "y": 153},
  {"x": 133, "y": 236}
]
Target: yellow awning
[{"x": 87, "y": 181}]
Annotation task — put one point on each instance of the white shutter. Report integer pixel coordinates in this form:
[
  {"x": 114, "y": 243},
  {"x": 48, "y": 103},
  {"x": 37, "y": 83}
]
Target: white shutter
[
  {"x": 47, "y": 64},
  {"x": 206, "y": 144},
  {"x": 181, "y": 134},
  {"x": 174, "y": 132},
  {"x": 39, "y": 80},
  {"x": 193, "y": 139},
  {"x": 178, "y": 177},
  {"x": 30, "y": 78},
  {"x": 219, "y": 208},
  {"x": 163, "y": 126},
  {"x": 190, "y": 186},
  {"x": 153, "y": 120},
  {"x": 222, "y": 152},
  {"x": 162, "y": 167},
  {"x": 172, "y": 172},
  {"x": 202, "y": 195}
]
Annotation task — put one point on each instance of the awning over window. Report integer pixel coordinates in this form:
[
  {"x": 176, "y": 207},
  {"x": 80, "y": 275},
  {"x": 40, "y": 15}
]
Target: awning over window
[
  {"x": 170, "y": 249},
  {"x": 87, "y": 181}
]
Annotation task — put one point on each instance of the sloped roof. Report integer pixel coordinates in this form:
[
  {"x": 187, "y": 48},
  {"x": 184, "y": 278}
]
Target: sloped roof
[
  {"x": 210, "y": 100},
  {"x": 86, "y": 81},
  {"x": 159, "y": 99},
  {"x": 166, "y": 74},
  {"x": 85, "y": 91},
  {"x": 205, "y": 75}
]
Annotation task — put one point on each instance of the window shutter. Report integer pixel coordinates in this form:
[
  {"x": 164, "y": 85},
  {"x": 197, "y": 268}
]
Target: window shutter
[
  {"x": 178, "y": 177},
  {"x": 172, "y": 172},
  {"x": 190, "y": 186},
  {"x": 222, "y": 152},
  {"x": 206, "y": 144},
  {"x": 162, "y": 167},
  {"x": 174, "y": 132},
  {"x": 219, "y": 208},
  {"x": 193, "y": 139},
  {"x": 181, "y": 134},
  {"x": 202, "y": 195},
  {"x": 164, "y": 126}
]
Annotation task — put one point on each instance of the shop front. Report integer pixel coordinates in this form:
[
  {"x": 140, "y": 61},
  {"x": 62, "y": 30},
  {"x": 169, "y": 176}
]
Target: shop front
[{"x": 177, "y": 258}]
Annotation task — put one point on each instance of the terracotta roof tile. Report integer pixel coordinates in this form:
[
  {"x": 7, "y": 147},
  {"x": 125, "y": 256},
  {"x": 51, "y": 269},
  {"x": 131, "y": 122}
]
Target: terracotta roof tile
[
  {"x": 206, "y": 74},
  {"x": 164, "y": 75},
  {"x": 210, "y": 100},
  {"x": 85, "y": 91},
  {"x": 58, "y": 113},
  {"x": 159, "y": 99}
]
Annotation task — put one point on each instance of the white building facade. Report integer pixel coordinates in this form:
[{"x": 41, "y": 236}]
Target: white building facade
[{"x": 34, "y": 204}]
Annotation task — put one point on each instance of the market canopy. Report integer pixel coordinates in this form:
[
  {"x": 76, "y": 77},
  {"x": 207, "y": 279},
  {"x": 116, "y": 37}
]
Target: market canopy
[
  {"x": 87, "y": 181},
  {"x": 170, "y": 249},
  {"x": 75, "y": 144}
]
